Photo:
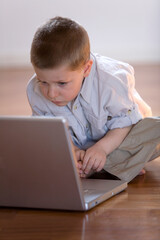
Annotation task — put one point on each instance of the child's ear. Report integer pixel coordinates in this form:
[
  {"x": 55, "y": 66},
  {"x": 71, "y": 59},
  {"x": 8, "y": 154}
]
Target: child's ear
[{"x": 87, "y": 67}]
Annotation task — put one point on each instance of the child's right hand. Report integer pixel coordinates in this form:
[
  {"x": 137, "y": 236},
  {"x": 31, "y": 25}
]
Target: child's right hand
[{"x": 80, "y": 155}]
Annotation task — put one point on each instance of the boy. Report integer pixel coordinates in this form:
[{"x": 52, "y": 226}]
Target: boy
[{"x": 97, "y": 96}]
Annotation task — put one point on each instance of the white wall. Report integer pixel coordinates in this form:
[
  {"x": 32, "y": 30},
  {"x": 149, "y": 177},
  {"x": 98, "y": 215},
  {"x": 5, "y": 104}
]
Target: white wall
[{"x": 124, "y": 29}]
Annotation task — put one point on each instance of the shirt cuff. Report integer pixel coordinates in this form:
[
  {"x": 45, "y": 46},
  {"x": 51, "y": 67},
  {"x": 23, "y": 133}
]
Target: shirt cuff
[{"x": 132, "y": 116}]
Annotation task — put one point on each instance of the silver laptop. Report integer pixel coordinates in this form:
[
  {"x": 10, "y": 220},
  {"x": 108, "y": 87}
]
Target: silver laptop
[{"x": 38, "y": 169}]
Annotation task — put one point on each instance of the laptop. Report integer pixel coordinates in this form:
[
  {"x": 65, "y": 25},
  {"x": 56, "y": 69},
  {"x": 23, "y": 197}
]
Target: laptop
[{"x": 38, "y": 167}]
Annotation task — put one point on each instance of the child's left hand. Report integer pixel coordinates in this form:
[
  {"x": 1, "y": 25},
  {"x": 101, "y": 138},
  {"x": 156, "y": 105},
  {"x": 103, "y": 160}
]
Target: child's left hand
[{"x": 94, "y": 158}]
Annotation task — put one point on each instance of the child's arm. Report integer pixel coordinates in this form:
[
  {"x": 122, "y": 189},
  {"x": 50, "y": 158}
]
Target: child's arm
[{"x": 95, "y": 156}]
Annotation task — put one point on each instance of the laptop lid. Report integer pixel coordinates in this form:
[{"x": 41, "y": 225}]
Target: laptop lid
[{"x": 37, "y": 166}]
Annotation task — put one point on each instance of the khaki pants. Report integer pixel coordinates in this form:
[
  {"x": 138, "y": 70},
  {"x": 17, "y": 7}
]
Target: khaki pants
[{"x": 141, "y": 145}]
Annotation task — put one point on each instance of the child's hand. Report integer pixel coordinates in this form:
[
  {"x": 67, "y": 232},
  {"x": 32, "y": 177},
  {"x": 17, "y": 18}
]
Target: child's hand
[
  {"x": 79, "y": 156},
  {"x": 94, "y": 158},
  {"x": 80, "y": 171}
]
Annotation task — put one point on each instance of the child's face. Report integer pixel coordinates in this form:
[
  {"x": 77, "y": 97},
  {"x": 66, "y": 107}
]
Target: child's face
[{"x": 61, "y": 85}]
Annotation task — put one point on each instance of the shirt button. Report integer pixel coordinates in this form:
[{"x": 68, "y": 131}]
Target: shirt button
[
  {"x": 75, "y": 107},
  {"x": 87, "y": 126}
]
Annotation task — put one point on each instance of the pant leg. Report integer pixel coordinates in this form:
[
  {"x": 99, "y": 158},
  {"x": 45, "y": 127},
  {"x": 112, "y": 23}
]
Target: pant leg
[{"x": 141, "y": 145}]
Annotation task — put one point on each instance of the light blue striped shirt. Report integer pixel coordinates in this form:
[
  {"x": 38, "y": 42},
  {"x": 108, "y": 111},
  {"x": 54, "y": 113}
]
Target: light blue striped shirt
[{"x": 107, "y": 100}]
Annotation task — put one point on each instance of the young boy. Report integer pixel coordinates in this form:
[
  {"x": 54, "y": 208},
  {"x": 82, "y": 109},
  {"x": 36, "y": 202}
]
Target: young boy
[{"x": 106, "y": 116}]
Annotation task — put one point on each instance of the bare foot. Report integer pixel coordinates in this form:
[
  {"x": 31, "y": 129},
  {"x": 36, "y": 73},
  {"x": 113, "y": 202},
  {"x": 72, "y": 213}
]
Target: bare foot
[{"x": 142, "y": 172}]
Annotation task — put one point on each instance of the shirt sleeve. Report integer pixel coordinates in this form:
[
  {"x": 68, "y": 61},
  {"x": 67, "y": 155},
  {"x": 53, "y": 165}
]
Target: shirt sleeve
[{"x": 122, "y": 110}]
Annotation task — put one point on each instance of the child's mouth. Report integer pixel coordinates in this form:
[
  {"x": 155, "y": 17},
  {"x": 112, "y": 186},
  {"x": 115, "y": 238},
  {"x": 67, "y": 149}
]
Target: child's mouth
[{"x": 59, "y": 103}]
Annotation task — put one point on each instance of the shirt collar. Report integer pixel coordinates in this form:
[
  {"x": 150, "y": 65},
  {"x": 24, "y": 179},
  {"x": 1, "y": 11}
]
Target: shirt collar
[{"x": 86, "y": 89}]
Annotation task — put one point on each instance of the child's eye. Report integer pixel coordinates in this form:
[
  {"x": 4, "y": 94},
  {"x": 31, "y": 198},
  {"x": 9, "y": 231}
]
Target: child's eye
[
  {"x": 43, "y": 82},
  {"x": 62, "y": 83}
]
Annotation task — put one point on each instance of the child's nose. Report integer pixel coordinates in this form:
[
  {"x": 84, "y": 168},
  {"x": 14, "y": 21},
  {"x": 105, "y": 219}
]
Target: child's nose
[{"x": 52, "y": 92}]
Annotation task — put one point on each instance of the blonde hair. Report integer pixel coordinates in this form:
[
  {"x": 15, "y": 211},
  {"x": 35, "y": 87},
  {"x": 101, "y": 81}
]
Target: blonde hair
[{"x": 60, "y": 41}]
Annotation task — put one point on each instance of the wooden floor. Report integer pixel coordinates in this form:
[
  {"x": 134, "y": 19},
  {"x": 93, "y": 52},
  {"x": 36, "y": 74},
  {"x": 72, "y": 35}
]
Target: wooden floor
[{"x": 133, "y": 214}]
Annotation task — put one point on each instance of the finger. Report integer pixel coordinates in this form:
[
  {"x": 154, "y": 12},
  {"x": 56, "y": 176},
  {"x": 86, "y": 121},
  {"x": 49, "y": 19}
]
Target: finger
[
  {"x": 77, "y": 155},
  {"x": 82, "y": 154},
  {"x": 100, "y": 167},
  {"x": 96, "y": 164},
  {"x": 83, "y": 175},
  {"x": 79, "y": 165},
  {"x": 85, "y": 161},
  {"x": 89, "y": 165}
]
